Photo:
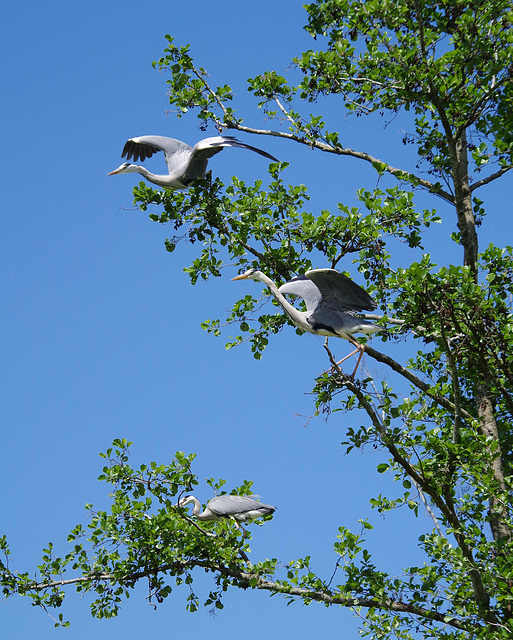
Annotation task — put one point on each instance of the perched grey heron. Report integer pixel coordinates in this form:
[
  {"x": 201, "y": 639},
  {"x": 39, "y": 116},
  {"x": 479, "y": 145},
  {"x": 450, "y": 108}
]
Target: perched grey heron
[
  {"x": 331, "y": 300},
  {"x": 237, "y": 508},
  {"x": 185, "y": 164}
]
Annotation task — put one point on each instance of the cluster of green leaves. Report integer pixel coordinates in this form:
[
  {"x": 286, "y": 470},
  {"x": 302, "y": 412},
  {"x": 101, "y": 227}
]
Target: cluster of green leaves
[
  {"x": 188, "y": 88},
  {"x": 413, "y": 55},
  {"x": 143, "y": 535},
  {"x": 268, "y": 228}
]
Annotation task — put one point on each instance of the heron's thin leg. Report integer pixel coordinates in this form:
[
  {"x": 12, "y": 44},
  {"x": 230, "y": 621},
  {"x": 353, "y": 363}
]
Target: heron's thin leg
[
  {"x": 358, "y": 362},
  {"x": 332, "y": 369},
  {"x": 359, "y": 347},
  {"x": 239, "y": 526},
  {"x": 348, "y": 356},
  {"x": 356, "y": 344}
]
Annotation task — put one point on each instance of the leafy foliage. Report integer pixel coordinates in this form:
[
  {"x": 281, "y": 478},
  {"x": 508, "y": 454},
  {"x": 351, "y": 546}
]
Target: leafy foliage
[{"x": 443, "y": 418}]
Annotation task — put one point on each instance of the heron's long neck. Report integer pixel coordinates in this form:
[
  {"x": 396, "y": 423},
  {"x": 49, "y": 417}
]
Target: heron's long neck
[
  {"x": 297, "y": 317},
  {"x": 162, "y": 181},
  {"x": 197, "y": 507}
]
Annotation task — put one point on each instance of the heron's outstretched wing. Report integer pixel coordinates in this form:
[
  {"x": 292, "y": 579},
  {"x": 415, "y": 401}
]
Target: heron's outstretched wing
[
  {"x": 144, "y": 147},
  {"x": 340, "y": 292},
  {"x": 304, "y": 288},
  {"x": 226, "y": 506}
]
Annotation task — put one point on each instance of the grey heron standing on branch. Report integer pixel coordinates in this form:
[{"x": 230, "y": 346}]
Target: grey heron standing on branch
[
  {"x": 237, "y": 508},
  {"x": 331, "y": 300},
  {"x": 185, "y": 164}
]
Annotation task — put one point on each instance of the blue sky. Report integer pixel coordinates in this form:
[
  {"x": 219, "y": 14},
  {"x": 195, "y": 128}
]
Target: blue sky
[{"x": 100, "y": 327}]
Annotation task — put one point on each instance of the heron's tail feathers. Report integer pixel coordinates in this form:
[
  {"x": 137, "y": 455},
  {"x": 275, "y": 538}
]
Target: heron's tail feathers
[{"x": 231, "y": 141}]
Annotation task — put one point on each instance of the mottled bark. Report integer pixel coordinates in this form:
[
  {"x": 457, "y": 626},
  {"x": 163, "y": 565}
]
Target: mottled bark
[
  {"x": 498, "y": 509},
  {"x": 463, "y": 203},
  {"x": 485, "y": 409}
]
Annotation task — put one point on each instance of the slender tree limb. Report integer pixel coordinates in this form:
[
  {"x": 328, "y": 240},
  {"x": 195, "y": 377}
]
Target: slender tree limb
[
  {"x": 210, "y": 90},
  {"x": 328, "y": 598},
  {"x": 228, "y": 123},
  {"x": 188, "y": 519},
  {"x": 418, "y": 14},
  {"x": 490, "y": 178},
  {"x": 346, "y": 151},
  {"x": 362, "y": 79},
  {"x": 286, "y": 113},
  {"x": 447, "y": 509},
  {"x": 252, "y": 580},
  {"x": 339, "y": 150},
  {"x": 416, "y": 381}
]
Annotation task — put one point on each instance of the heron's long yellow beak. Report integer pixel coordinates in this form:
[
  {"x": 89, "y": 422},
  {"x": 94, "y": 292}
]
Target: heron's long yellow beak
[
  {"x": 243, "y": 276},
  {"x": 113, "y": 172}
]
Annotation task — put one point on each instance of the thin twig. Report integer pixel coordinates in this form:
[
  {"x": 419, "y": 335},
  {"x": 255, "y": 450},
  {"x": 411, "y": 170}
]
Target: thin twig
[{"x": 428, "y": 508}]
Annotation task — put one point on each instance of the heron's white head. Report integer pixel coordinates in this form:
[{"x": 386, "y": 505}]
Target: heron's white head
[
  {"x": 185, "y": 500},
  {"x": 250, "y": 274},
  {"x": 126, "y": 167}
]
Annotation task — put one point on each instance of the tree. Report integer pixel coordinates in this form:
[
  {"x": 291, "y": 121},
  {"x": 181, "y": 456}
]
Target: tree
[{"x": 442, "y": 419}]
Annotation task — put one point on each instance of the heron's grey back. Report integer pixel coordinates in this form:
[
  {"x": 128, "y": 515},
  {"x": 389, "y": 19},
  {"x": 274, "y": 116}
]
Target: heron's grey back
[{"x": 228, "y": 505}]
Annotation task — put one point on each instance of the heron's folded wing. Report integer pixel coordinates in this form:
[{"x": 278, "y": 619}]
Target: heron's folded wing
[
  {"x": 304, "y": 288},
  {"x": 229, "y": 505},
  {"x": 340, "y": 292}
]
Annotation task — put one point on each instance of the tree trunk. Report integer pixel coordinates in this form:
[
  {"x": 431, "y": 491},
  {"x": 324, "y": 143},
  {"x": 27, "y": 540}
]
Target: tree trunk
[
  {"x": 466, "y": 225},
  {"x": 498, "y": 510},
  {"x": 463, "y": 202}
]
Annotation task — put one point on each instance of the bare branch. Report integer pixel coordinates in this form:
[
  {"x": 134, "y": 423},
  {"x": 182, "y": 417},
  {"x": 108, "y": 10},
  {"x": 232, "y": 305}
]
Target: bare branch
[
  {"x": 416, "y": 381},
  {"x": 346, "y": 151},
  {"x": 209, "y": 89},
  {"x": 255, "y": 581},
  {"x": 490, "y": 178},
  {"x": 446, "y": 508},
  {"x": 286, "y": 113},
  {"x": 339, "y": 150}
]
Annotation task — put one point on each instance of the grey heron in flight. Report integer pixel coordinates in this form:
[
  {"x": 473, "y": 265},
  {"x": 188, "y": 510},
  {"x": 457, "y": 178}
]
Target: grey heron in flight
[
  {"x": 185, "y": 164},
  {"x": 331, "y": 300},
  {"x": 237, "y": 508}
]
